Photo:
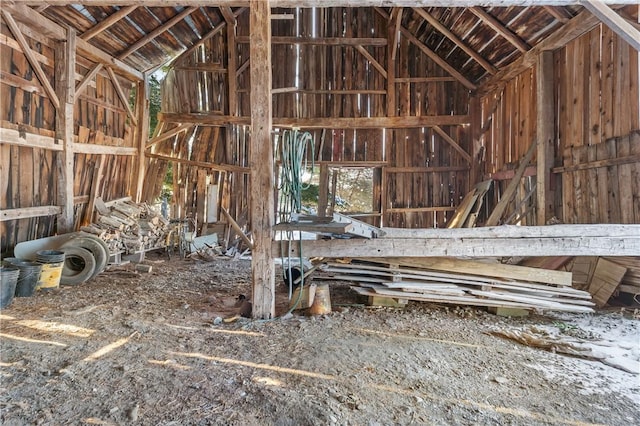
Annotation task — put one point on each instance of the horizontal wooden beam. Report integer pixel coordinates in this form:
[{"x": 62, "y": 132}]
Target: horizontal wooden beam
[
  {"x": 326, "y": 41},
  {"x": 419, "y": 209},
  {"x": 599, "y": 163},
  {"x": 514, "y": 232},
  {"x": 497, "y": 246},
  {"x": 31, "y": 140},
  {"x": 89, "y": 148},
  {"x": 314, "y": 3},
  {"x": 509, "y": 174},
  {"x": 323, "y": 122},
  {"x": 203, "y": 164},
  {"x": 28, "y": 212},
  {"x": 436, "y": 169}
]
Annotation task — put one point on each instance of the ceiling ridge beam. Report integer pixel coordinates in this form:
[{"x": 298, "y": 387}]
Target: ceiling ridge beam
[
  {"x": 491, "y": 69},
  {"x": 498, "y": 27},
  {"x": 155, "y": 33},
  {"x": 107, "y": 22}
]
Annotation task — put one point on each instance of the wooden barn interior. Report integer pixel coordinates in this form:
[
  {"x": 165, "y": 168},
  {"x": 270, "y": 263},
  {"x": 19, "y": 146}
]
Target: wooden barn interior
[{"x": 432, "y": 99}]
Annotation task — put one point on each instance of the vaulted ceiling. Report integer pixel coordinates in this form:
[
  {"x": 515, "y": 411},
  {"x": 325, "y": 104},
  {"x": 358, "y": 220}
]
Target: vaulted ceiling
[{"x": 475, "y": 41}]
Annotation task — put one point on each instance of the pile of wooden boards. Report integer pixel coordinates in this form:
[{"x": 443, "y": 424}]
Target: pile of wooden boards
[
  {"x": 464, "y": 282},
  {"x": 128, "y": 227},
  {"x": 603, "y": 277}
]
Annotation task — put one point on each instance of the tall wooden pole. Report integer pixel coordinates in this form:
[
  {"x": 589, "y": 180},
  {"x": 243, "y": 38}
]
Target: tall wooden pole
[
  {"x": 261, "y": 161},
  {"x": 545, "y": 136},
  {"x": 142, "y": 133},
  {"x": 65, "y": 66}
]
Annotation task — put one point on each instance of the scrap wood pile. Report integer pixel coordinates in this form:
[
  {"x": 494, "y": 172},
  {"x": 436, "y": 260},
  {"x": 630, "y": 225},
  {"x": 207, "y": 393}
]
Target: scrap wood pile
[
  {"x": 464, "y": 282},
  {"x": 602, "y": 277},
  {"x": 129, "y": 227}
]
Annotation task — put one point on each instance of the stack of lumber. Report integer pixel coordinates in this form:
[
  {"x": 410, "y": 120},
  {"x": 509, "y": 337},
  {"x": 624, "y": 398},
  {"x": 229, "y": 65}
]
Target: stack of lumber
[
  {"x": 463, "y": 282},
  {"x": 129, "y": 228}
]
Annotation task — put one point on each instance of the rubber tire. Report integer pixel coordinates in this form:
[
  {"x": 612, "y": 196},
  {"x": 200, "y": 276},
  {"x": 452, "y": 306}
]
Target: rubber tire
[
  {"x": 94, "y": 247},
  {"x": 102, "y": 242},
  {"x": 71, "y": 276}
]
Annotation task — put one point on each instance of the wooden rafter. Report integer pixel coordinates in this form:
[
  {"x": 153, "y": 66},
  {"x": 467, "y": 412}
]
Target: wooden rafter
[
  {"x": 107, "y": 22},
  {"x": 33, "y": 61},
  {"x": 456, "y": 40},
  {"x": 372, "y": 60},
  {"x": 155, "y": 33},
  {"x": 87, "y": 79},
  {"x": 314, "y": 3},
  {"x": 577, "y": 26},
  {"x": 121, "y": 95},
  {"x": 498, "y": 27},
  {"x": 433, "y": 55},
  {"x": 560, "y": 13},
  {"x": 614, "y": 21}
]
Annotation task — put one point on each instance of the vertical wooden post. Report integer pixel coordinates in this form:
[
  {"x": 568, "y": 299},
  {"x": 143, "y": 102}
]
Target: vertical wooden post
[
  {"x": 545, "y": 133},
  {"x": 323, "y": 190},
  {"x": 261, "y": 161},
  {"x": 142, "y": 133},
  {"x": 477, "y": 167},
  {"x": 232, "y": 65},
  {"x": 392, "y": 37},
  {"x": 65, "y": 67}
]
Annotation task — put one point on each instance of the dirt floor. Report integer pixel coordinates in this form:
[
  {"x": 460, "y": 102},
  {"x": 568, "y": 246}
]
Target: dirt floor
[{"x": 129, "y": 348}]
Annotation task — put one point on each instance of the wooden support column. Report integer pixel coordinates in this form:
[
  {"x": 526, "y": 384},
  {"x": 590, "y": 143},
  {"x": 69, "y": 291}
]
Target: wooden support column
[
  {"x": 232, "y": 62},
  {"x": 323, "y": 190},
  {"x": 261, "y": 160},
  {"x": 65, "y": 66},
  {"x": 545, "y": 136},
  {"x": 142, "y": 132}
]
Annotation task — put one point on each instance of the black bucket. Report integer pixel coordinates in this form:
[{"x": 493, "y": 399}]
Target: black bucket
[
  {"x": 52, "y": 262},
  {"x": 29, "y": 277},
  {"x": 8, "y": 280}
]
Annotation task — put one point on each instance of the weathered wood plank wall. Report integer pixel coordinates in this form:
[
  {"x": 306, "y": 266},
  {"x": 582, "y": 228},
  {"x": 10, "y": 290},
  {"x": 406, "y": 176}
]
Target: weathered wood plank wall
[
  {"x": 28, "y": 175},
  {"x": 597, "y": 121}
]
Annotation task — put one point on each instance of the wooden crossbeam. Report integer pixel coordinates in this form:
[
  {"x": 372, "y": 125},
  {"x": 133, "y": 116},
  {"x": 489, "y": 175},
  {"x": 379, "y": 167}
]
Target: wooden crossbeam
[
  {"x": 315, "y": 3},
  {"x": 27, "y": 212},
  {"x": 33, "y": 61},
  {"x": 121, "y": 95},
  {"x": 171, "y": 133},
  {"x": 326, "y": 41},
  {"x": 155, "y": 33},
  {"x": 203, "y": 164},
  {"x": 404, "y": 122},
  {"x": 87, "y": 79},
  {"x": 456, "y": 40},
  {"x": 498, "y": 27},
  {"x": 107, "y": 22}
]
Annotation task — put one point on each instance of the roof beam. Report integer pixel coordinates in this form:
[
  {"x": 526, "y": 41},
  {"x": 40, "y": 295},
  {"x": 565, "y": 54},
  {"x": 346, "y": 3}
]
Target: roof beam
[
  {"x": 155, "y": 33},
  {"x": 326, "y": 41},
  {"x": 433, "y": 55},
  {"x": 560, "y": 13},
  {"x": 314, "y": 3},
  {"x": 50, "y": 29},
  {"x": 497, "y": 26},
  {"x": 107, "y": 22},
  {"x": 577, "y": 26},
  {"x": 458, "y": 42},
  {"x": 614, "y": 21}
]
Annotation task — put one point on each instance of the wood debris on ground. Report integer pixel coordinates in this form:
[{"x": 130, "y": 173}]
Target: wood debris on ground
[
  {"x": 129, "y": 227},
  {"x": 477, "y": 284}
]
